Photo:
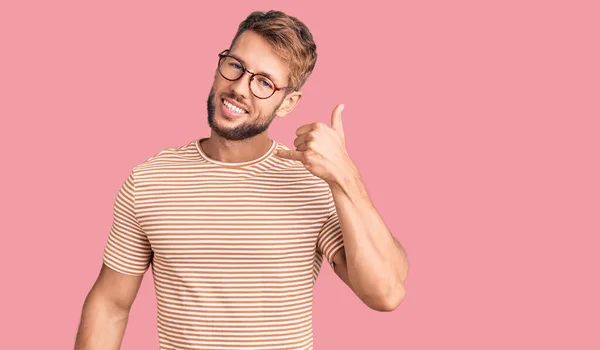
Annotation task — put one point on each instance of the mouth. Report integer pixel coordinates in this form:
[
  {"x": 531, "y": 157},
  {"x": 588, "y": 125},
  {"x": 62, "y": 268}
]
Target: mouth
[{"x": 232, "y": 110}]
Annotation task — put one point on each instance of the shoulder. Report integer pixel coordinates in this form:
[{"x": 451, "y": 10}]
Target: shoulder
[{"x": 170, "y": 157}]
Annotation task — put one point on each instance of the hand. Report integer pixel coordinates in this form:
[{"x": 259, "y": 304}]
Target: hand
[{"x": 321, "y": 149}]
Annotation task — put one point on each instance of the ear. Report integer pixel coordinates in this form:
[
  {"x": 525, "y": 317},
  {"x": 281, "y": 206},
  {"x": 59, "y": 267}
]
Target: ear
[{"x": 289, "y": 103}]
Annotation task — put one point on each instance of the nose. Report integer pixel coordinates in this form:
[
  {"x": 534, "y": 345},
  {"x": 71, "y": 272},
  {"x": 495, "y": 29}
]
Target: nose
[{"x": 242, "y": 86}]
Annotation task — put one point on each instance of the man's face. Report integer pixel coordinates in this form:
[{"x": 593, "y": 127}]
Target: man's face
[{"x": 257, "y": 56}]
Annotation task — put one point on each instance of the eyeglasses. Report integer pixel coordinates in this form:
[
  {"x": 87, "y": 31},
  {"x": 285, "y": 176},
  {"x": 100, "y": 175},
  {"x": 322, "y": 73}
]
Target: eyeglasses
[{"x": 232, "y": 69}]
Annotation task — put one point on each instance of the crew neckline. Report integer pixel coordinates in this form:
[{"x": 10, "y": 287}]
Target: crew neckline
[{"x": 265, "y": 156}]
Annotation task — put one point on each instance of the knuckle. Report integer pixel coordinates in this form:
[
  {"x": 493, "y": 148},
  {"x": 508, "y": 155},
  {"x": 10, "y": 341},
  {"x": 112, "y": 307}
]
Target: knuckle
[{"x": 304, "y": 157}]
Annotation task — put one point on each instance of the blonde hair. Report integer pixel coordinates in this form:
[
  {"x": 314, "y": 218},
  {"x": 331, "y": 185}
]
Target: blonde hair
[{"x": 291, "y": 41}]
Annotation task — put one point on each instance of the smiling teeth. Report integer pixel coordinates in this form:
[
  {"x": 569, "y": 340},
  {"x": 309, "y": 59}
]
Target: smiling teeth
[{"x": 233, "y": 108}]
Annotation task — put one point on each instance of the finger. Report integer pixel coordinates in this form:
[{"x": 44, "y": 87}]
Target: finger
[
  {"x": 306, "y": 128},
  {"x": 301, "y": 139},
  {"x": 290, "y": 154},
  {"x": 302, "y": 147},
  {"x": 336, "y": 120}
]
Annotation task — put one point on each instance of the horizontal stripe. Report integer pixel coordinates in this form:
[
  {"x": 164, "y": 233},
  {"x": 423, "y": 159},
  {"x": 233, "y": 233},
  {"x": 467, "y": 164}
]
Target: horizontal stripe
[{"x": 235, "y": 248}]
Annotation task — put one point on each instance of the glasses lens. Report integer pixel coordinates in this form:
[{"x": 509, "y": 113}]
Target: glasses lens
[
  {"x": 262, "y": 87},
  {"x": 230, "y": 68}
]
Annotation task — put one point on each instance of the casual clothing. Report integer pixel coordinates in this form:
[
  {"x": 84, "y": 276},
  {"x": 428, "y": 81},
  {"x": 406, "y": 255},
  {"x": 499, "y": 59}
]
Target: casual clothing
[{"x": 235, "y": 247}]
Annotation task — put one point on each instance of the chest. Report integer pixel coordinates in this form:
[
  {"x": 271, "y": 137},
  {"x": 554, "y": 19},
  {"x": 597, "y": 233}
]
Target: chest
[{"x": 251, "y": 220}]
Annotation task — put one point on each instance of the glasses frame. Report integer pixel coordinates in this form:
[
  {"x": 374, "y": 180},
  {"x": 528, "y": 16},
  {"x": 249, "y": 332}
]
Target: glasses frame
[{"x": 223, "y": 55}]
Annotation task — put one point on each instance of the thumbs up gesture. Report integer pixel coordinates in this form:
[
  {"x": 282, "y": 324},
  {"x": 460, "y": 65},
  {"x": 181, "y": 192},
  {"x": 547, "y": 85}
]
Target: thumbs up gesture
[{"x": 321, "y": 149}]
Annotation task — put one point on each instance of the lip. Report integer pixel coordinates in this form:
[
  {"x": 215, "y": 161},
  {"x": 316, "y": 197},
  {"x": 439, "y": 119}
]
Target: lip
[{"x": 229, "y": 113}]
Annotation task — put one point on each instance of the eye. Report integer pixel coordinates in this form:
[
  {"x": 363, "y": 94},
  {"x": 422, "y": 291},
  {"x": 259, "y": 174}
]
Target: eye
[
  {"x": 236, "y": 66},
  {"x": 265, "y": 83}
]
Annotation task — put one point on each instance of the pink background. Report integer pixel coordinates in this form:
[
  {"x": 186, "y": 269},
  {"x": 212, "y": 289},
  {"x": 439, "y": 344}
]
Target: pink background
[{"x": 475, "y": 127}]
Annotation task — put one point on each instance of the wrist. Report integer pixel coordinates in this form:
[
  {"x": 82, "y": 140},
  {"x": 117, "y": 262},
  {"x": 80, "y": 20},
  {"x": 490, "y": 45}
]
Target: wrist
[{"x": 345, "y": 176}]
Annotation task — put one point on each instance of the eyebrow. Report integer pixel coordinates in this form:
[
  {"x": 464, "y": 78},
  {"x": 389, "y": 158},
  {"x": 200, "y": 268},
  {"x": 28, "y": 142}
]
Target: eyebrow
[{"x": 260, "y": 73}]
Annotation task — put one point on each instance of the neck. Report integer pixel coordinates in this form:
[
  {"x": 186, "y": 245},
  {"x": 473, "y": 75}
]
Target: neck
[{"x": 229, "y": 151}]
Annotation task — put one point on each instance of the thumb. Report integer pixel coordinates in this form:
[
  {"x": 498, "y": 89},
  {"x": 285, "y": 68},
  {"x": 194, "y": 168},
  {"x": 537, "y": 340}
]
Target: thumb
[
  {"x": 289, "y": 154},
  {"x": 336, "y": 120}
]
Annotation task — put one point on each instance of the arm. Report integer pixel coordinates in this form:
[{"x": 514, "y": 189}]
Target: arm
[
  {"x": 106, "y": 310},
  {"x": 372, "y": 263}
]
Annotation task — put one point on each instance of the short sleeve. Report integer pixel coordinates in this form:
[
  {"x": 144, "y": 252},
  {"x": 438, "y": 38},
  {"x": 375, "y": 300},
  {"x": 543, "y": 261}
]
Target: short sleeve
[
  {"x": 330, "y": 238},
  {"x": 127, "y": 249}
]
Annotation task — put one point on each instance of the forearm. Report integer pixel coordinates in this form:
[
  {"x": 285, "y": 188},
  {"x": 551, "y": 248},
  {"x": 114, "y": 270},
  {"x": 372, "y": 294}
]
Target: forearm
[
  {"x": 376, "y": 263},
  {"x": 102, "y": 325}
]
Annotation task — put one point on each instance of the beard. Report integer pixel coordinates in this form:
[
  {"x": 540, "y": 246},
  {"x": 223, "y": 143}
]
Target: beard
[{"x": 241, "y": 132}]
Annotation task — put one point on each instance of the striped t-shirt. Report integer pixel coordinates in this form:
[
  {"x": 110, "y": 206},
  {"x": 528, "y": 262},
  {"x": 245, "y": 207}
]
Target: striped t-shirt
[{"x": 235, "y": 247}]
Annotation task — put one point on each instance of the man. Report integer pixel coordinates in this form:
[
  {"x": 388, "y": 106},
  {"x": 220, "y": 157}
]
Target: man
[{"x": 236, "y": 225}]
